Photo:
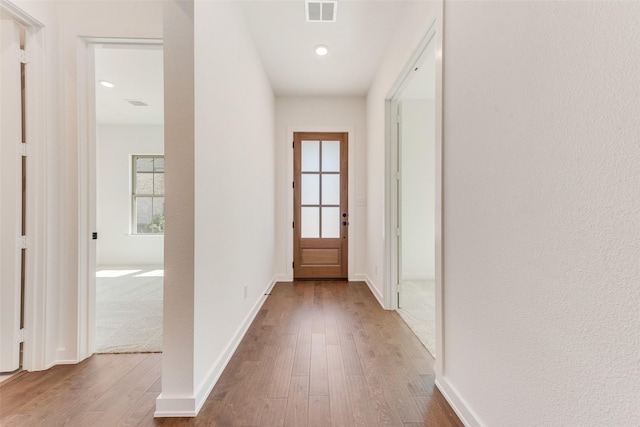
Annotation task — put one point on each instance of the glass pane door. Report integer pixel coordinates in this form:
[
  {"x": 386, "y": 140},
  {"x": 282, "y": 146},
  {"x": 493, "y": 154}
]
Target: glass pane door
[{"x": 320, "y": 189}]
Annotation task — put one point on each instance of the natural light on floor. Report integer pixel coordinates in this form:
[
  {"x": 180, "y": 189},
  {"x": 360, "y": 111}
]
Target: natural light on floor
[
  {"x": 153, "y": 273},
  {"x": 115, "y": 273}
]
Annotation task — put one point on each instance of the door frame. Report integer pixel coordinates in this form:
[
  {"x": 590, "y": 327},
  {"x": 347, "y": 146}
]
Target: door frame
[
  {"x": 87, "y": 197},
  {"x": 353, "y": 215},
  {"x": 392, "y": 193},
  {"x": 36, "y": 275}
]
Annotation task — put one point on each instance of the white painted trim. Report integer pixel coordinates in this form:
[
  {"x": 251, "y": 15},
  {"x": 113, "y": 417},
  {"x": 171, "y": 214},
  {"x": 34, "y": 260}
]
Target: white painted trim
[
  {"x": 434, "y": 32},
  {"x": 468, "y": 417},
  {"x": 374, "y": 290},
  {"x": 19, "y": 15},
  {"x": 189, "y": 406},
  {"x": 281, "y": 278},
  {"x": 87, "y": 183},
  {"x": 353, "y": 216},
  {"x": 34, "y": 349}
]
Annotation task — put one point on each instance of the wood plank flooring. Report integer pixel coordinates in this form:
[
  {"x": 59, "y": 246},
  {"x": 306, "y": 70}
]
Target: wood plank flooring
[{"x": 317, "y": 354}]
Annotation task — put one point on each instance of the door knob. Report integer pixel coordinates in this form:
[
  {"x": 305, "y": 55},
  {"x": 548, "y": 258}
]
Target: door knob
[
  {"x": 345, "y": 223},
  {"x": 344, "y": 215}
]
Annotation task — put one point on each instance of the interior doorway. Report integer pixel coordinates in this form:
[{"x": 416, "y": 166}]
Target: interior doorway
[
  {"x": 414, "y": 197},
  {"x": 129, "y": 197}
]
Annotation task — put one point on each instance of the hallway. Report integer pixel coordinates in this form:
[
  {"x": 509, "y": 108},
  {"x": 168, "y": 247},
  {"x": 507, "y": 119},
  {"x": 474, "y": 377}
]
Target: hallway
[{"x": 318, "y": 353}]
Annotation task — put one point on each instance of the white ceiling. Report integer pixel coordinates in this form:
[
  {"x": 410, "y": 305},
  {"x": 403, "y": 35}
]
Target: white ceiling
[
  {"x": 137, "y": 73},
  {"x": 357, "y": 42},
  {"x": 285, "y": 42}
]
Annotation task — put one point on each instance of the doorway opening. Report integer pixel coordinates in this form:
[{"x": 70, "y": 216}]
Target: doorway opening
[
  {"x": 129, "y": 197},
  {"x": 415, "y": 186}
]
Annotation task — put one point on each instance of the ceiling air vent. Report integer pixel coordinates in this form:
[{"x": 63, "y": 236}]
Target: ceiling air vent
[
  {"x": 137, "y": 103},
  {"x": 321, "y": 11}
]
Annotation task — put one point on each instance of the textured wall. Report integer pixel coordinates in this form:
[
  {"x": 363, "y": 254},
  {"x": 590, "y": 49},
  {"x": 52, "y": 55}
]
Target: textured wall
[{"x": 542, "y": 211}]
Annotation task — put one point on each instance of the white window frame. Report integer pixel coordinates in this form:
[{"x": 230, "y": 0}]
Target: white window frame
[{"x": 135, "y": 194}]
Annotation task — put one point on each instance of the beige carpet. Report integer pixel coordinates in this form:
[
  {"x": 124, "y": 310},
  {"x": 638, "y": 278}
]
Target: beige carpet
[
  {"x": 418, "y": 310},
  {"x": 129, "y": 309}
]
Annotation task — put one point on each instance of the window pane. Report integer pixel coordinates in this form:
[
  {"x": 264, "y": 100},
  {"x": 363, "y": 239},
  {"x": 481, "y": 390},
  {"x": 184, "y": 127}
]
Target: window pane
[
  {"x": 144, "y": 214},
  {"x": 310, "y": 189},
  {"x": 144, "y": 164},
  {"x": 330, "y": 156},
  {"x": 330, "y": 223},
  {"x": 158, "y": 183},
  {"x": 331, "y": 189},
  {"x": 157, "y": 221},
  {"x": 310, "y": 227},
  {"x": 310, "y": 156},
  {"x": 158, "y": 164},
  {"x": 144, "y": 183}
]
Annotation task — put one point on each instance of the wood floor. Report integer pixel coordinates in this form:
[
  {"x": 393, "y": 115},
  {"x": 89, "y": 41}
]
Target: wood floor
[{"x": 318, "y": 354}]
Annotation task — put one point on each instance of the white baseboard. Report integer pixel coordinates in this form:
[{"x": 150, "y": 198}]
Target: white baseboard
[
  {"x": 190, "y": 406},
  {"x": 460, "y": 407},
  {"x": 358, "y": 278},
  {"x": 282, "y": 278},
  {"x": 374, "y": 290}
]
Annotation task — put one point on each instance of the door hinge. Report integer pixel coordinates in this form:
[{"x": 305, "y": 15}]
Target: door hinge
[
  {"x": 398, "y": 119},
  {"x": 293, "y": 184},
  {"x": 293, "y": 224},
  {"x": 23, "y": 56},
  {"x": 398, "y": 175},
  {"x": 22, "y": 242},
  {"x": 293, "y": 264},
  {"x": 22, "y": 149},
  {"x": 397, "y": 231},
  {"x": 293, "y": 144},
  {"x": 21, "y": 335}
]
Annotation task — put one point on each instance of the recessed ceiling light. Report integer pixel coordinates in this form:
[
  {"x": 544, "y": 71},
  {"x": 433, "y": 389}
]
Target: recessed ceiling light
[
  {"x": 106, "y": 83},
  {"x": 322, "y": 50}
]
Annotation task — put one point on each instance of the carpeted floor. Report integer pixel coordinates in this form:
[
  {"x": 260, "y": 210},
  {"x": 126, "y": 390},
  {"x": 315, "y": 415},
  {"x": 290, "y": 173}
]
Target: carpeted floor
[
  {"x": 418, "y": 311},
  {"x": 129, "y": 309}
]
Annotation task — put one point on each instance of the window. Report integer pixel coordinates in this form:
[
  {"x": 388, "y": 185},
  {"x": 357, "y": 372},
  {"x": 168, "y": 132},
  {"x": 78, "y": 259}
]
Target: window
[{"x": 148, "y": 195}]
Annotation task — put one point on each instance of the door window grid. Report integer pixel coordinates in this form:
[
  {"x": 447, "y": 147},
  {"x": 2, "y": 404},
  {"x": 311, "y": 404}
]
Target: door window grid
[
  {"x": 148, "y": 194},
  {"x": 318, "y": 218}
]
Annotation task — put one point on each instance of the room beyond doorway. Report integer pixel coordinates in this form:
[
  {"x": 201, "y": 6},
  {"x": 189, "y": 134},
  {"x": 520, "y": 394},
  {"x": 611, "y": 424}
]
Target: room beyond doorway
[
  {"x": 414, "y": 199},
  {"x": 129, "y": 135}
]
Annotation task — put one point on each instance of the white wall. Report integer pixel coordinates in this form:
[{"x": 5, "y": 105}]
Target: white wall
[
  {"x": 325, "y": 114},
  {"x": 231, "y": 162},
  {"x": 64, "y": 22},
  {"x": 419, "y": 15},
  {"x": 115, "y": 146},
  {"x": 542, "y": 211},
  {"x": 418, "y": 189}
]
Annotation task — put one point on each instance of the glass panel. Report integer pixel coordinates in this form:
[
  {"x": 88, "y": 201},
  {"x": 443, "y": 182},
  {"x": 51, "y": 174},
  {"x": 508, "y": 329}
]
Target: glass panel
[
  {"x": 158, "y": 183},
  {"x": 144, "y": 214},
  {"x": 330, "y": 223},
  {"x": 310, "y": 156},
  {"x": 330, "y": 156},
  {"x": 158, "y": 164},
  {"x": 310, "y": 227},
  {"x": 144, "y": 183},
  {"x": 157, "y": 221},
  {"x": 331, "y": 189},
  {"x": 310, "y": 189},
  {"x": 144, "y": 164}
]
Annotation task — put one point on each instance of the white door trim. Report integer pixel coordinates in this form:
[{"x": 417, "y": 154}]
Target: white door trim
[
  {"x": 36, "y": 277},
  {"x": 392, "y": 219}
]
